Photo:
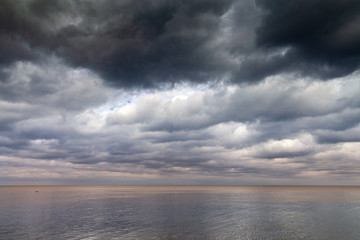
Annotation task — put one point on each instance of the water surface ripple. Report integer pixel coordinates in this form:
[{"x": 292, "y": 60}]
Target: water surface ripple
[{"x": 179, "y": 212}]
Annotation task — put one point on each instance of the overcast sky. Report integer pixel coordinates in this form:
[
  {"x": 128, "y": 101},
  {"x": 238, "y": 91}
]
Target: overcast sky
[{"x": 180, "y": 92}]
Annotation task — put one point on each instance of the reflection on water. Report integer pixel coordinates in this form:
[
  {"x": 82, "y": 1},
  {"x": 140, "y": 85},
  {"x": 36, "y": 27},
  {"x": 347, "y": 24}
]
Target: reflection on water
[{"x": 169, "y": 212}]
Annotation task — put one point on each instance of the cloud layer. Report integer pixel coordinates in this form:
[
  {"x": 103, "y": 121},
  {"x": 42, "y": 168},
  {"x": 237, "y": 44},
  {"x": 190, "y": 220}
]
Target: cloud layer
[
  {"x": 84, "y": 131},
  {"x": 146, "y": 43},
  {"x": 179, "y": 92}
]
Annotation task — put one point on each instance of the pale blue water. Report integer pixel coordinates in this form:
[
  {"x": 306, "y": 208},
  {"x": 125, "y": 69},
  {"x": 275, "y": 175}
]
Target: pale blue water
[{"x": 179, "y": 212}]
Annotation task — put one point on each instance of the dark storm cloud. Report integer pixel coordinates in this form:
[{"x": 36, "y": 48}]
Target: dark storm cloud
[
  {"x": 322, "y": 36},
  {"x": 130, "y": 43},
  {"x": 20, "y": 32},
  {"x": 146, "y": 43}
]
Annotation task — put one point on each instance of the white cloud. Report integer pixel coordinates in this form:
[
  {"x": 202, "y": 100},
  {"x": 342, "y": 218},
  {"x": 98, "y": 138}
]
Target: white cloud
[{"x": 273, "y": 130}]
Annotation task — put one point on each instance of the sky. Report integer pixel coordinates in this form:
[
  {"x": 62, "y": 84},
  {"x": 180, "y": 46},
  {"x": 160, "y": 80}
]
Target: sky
[{"x": 233, "y": 92}]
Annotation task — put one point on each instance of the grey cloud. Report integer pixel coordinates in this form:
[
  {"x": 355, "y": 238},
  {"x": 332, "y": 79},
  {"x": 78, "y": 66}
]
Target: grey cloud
[
  {"x": 331, "y": 136},
  {"x": 339, "y": 121},
  {"x": 37, "y": 101},
  {"x": 147, "y": 44},
  {"x": 274, "y": 61},
  {"x": 318, "y": 126},
  {"x": 240, "y": 122},
  {"x": 51, "y": 84},
  {"x": 129, "y": 43},
  {"x": 322, "y": 35},
  {"x": 284, "y": 154}
]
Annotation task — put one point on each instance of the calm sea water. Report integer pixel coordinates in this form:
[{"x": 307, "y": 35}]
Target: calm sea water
[{"x": 181, "y": 212}]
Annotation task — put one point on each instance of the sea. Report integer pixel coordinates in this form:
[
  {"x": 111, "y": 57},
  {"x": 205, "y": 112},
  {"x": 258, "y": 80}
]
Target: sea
[{"x": 179, "y": 212}]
